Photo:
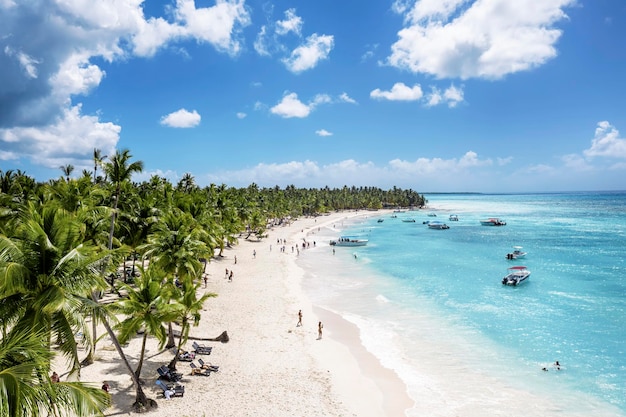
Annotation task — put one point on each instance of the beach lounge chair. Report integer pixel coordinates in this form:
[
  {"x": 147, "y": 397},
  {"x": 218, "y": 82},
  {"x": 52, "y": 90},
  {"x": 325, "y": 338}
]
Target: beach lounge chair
[
  {"x": 169, "y": 391},
  {"x": 208, "y": 366},
  {"x": 195, "y": 370},
  {"x": 202, "y": 349},
  {"x": 166, "y": 374},
  {"x": 183, "y": 355}
]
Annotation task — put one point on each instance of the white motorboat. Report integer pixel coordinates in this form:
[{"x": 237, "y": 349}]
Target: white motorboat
[
  {"x": 453, "y": 218},
  {"x": 431, "y": 214},
  {"x": 348, "y": 241},
  {"x": 493, "y": 221},
  {"x": 516, "y": 254},
  {"x": 409, "y": 220},
  {"x": 437, "y": 225},
  {"x": 516, "y": 275}
]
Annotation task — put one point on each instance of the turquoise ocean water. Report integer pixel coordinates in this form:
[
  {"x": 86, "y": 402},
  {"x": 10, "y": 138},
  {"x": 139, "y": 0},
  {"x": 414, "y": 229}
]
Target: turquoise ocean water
[{"x": 431, "y": 306}]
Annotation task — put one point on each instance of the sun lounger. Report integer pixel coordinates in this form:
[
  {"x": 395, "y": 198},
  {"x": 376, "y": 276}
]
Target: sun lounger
[
  {"x": 184, "y": 356},
  {"x": 195, "y": 370},
  {"x": 169, "y": 391},
  {"x": 208, "y": 366},
  {"x": 166, "y": 374},
  {"x": 202, "y": 349}
]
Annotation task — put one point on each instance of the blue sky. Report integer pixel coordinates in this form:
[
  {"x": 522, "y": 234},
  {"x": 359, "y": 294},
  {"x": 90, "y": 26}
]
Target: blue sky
[{"x": 434, "y": 95}]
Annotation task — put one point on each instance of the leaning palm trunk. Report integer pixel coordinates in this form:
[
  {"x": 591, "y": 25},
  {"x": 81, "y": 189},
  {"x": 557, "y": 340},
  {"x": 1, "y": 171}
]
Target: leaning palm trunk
[
  {"x": 142, "y": 402},
  {"x": 181, "y": 340}
]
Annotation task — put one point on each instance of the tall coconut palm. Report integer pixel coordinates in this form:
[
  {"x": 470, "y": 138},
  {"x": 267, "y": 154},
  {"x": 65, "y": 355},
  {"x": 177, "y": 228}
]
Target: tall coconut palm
[
  {"x": 98, "y": 159},
  {"x": 176, "y": 247},
  {"x": 119, "y": 170},
  {"x": 46, "y": 276},
  {"x": 146, "y": 307},
  {"x": 26, "y": 389},
  {"x": 67, "y": 171},
  {"x": 189, "y": 307}
]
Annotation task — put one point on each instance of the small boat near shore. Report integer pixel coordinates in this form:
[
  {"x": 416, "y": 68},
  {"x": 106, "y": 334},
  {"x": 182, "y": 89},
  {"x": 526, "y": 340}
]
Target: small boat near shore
[
  {"x": 437, "y": 225},
  {"x": 408, "y": 220},
  {"x": 516, "y": 275},
  {"x": 432, "y": 214},
  {"x": 453, "y": 218},
  {"x": 516, "y": 254},
  {"x": 493, "y": 221},
  {"x": 381, "y": 220},
  {"x": 348, "y": 241}
]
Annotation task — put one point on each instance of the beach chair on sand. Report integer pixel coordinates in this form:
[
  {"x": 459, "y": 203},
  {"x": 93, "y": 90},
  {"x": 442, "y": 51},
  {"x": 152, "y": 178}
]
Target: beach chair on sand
[
  {"x": 166, "y": 374},
  {"x": 195, "y": 370},
  {"x": 210, "y": 367},
  {"x": 172, "y": 390},
  {"x": 202, "y": 349},
  {"x": 183, "y": 355}
]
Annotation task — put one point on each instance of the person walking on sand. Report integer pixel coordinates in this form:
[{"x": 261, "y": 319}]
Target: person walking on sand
[
  {"x": 299, "y": 318},
  {"x": 206, "y": 279},
  {"x": 320, "y": 326}
]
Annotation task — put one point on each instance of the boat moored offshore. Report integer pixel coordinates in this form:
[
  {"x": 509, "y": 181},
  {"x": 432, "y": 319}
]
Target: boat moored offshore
[
  {"x": 348, "y": 241},
  {"x": 516, "y": 275}
]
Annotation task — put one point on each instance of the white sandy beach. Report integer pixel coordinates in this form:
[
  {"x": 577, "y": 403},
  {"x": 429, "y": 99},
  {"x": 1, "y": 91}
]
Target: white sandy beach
[{"x": 270, "y": 367}]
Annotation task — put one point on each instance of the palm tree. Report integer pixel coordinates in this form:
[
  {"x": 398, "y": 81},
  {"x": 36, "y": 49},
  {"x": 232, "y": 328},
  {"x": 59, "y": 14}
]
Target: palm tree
[
  {"x": 98, "y": 159},
  {"x": 67, "y": 170},
  {"x": 146, "y": 307},
  {"x": 176, "y": 248},
  {"x": 46, "y": 276},
  {"x": 189, "y": 312},
  {"x": 26, "y": 386},
  {"x": 119, "y": 170}
]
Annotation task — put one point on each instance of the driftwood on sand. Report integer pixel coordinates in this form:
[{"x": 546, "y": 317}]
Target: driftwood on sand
[{"x": 221, "y": 338}]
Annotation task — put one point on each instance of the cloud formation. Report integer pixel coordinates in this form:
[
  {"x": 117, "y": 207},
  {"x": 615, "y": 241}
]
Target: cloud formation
[
  {"x": 306, "y": 56},
  {"x": 606, "y": 143},
  {"x": 47, "y": 55},
  {"x": 291, "y": 106},
  {"x": 181, "y": 118},
  {"x": 323, "y": 133},
  {"x": 476, "y": 39},
  {"x": 399, "y": 92},
  {"x": 451, "y": 96}
]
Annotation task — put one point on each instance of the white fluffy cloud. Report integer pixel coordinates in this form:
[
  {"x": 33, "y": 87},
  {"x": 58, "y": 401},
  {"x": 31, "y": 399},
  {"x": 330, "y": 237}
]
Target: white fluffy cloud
[
  {"x": 47, "y": 60},
  {"x": 451, "y": 96},
  {"x": 291, "y": 106},
  {"x": 476, "y": 39},
  {"x": 307, "y": 56},
  {"x": 69, "y": 138},
  {"x": 292, "y": 23},
  {"x": 442, "y": 174},
  {"x": 181, "y": 118},
  {"x": 399, "y": 92},
  {"x": 323, "y": 133},
  {"x": 607, "y": 142}
]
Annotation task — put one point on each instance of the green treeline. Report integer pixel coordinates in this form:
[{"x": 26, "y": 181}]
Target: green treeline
[{"x": 65, "y": 242}]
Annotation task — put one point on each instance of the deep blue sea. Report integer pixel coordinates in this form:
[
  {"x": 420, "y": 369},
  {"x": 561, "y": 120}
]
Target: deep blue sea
[{"x": 431, "y": 306}]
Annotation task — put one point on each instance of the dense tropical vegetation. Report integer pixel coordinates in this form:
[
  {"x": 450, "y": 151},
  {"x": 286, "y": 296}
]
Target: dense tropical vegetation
[{"x": 65, "y": 242}]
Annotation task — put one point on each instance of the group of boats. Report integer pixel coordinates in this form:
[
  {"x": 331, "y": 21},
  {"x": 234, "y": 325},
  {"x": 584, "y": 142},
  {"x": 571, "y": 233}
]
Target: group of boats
[{"x": 515, "y": 275}]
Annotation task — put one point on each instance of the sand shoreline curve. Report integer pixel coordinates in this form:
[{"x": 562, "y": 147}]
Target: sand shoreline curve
[{"x": 270, "y": 366}]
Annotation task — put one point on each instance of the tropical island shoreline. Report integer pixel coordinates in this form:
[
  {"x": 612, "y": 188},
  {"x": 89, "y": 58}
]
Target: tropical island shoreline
[{"x": 270, "y": 364}]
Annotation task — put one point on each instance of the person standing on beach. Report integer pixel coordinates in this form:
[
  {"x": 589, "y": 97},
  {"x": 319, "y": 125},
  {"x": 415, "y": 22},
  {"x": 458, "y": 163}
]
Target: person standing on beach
[
  {"x": 299, "y": 318},
  {"x": 320, "y": 326},
  {"x": 254, "y": 253},
  {"x": 206, "y": 280}
]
